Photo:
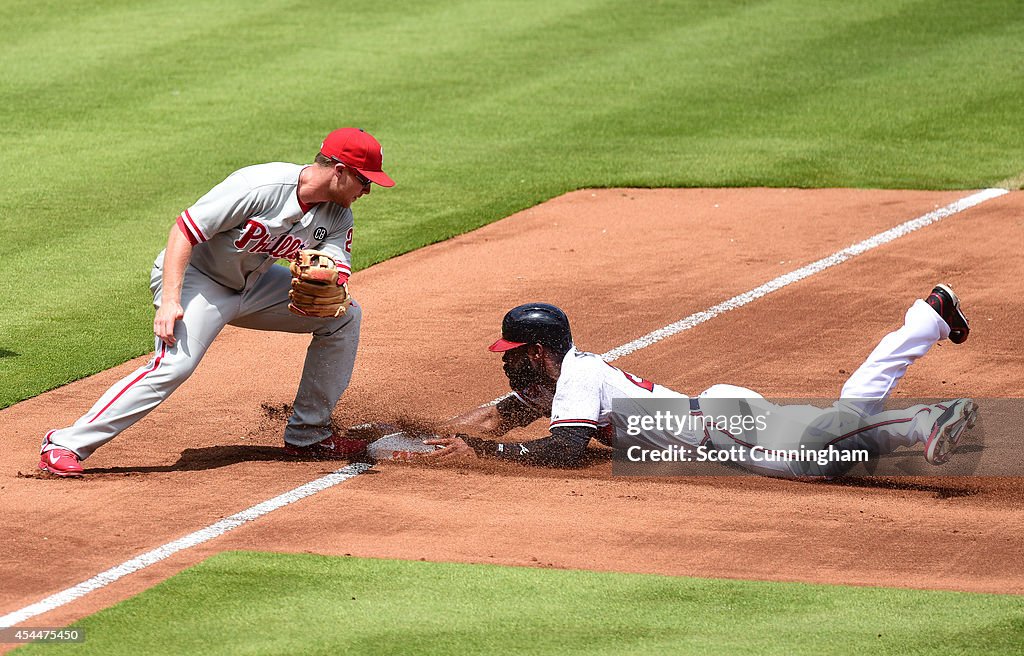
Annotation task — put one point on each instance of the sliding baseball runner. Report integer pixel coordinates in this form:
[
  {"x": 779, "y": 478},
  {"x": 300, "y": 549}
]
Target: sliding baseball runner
[{"x": 577, "y": 391}]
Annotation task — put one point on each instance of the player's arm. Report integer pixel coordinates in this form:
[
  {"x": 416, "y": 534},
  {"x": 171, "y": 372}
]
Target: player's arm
[
  {"x": 228, "y": 205},
  {"x": 496, "y": 419},
  {"x": 564, "y": 447},
  {"x": 176, "y": 257},
  {"x": 338, "y": 244}
]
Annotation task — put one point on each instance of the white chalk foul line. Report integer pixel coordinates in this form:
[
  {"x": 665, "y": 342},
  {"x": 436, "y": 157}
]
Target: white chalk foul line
[
  {"x": 345, "y": 473},
  {"x": 803, "y": 272},
  {"x": 160, "y": 553}
]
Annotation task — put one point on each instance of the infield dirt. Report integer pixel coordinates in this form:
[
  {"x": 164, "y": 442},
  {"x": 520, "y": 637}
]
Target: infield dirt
[{"x": 621, "y": 262}]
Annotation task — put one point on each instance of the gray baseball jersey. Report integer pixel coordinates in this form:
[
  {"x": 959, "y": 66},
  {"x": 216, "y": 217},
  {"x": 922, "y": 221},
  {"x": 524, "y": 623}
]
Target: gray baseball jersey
[{"x": 254, "y": 217}]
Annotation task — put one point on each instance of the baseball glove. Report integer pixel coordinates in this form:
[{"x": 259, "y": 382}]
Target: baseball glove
[{"x": 317, "y": 290}]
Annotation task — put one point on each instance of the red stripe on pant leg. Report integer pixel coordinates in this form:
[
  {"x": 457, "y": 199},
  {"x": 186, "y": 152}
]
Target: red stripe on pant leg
[
  {"x": 156, "y": 365},
  {"x": 838, "y": 439},
  {"x": 878, "y": 425}
]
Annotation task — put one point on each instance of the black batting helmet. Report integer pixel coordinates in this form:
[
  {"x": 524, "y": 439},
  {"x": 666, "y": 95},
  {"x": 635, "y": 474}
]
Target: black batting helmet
[{"x": 534, "y": 323}]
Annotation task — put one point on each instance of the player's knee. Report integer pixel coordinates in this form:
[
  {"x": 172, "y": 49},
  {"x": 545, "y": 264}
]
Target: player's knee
[{"x": 173, "y": 371}]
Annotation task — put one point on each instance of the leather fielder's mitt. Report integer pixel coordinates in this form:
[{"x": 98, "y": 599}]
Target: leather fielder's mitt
[{"x": 317, "y": 290}]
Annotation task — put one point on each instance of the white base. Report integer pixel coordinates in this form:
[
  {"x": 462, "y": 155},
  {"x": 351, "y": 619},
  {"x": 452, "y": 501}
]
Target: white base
[{"x": 398, "y": 446}]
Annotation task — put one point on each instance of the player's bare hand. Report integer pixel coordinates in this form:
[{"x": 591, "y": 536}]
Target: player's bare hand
[
  {"x": 163, "y": 323},
  {"x": 452, "y": 449}
]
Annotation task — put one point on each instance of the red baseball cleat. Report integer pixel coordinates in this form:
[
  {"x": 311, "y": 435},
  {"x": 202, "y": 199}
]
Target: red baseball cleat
[
  {"x": 60, "y": 462},
  {"x": 334, "y": 447}
]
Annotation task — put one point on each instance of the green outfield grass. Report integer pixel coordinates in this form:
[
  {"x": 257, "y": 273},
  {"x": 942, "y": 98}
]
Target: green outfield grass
[
  {"x": 254, "y": 603},
  {"x": 116, "y": 114}
]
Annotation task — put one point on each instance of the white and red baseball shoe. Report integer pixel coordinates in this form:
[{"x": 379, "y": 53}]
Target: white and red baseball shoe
[
  {"x": 60, "y": 462},
  {"x": 960, "y": 415}
]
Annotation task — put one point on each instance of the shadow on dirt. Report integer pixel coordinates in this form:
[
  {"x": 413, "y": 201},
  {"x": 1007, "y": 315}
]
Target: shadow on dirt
[
  {"x": 940, "y": 491},
  {"x": 594, "y": 466},
  {"x": 215, "y": 457}
]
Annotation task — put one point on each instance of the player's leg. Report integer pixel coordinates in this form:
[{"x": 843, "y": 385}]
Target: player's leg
[
  {"x": 858, "y": 420},
  {"x": 809, "y": 441},
  {"x": 781, "y": 441},
  {"x": 330, "y": 357},
  {"x": 326, "y": 374},
  {"x": 877, "y": 377},
  {"x": 938, "y": 427},
  {"x": 839, "y": 437},
  {"x": 205, "y": 303}
]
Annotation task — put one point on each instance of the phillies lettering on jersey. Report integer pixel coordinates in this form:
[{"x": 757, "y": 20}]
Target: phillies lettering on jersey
[{"x": 257, "y": 239}]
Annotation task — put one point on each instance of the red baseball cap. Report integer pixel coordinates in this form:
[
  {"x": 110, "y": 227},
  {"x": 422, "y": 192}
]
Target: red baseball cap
[{"x": 357, "y": 148}]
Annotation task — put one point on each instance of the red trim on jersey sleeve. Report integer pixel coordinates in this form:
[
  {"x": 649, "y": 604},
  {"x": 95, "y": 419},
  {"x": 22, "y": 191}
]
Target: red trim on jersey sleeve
[
  {"x": 191, "y": 229},
  {"x": 195, "y": 226},
  {"x": 185, "y": 231},
  {"x": 344, "y": 271}
]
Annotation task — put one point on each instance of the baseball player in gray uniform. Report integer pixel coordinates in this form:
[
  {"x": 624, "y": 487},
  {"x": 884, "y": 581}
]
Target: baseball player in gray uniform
[
  {"x": 219, "y": 269},
  {"x": 586, "y": 398}
]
